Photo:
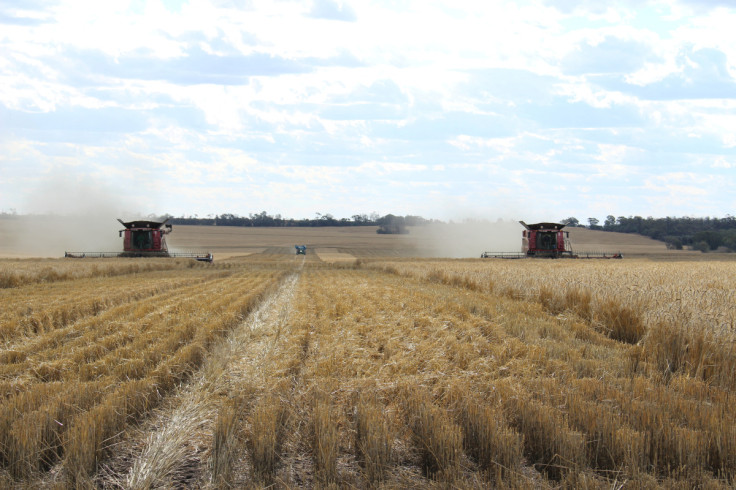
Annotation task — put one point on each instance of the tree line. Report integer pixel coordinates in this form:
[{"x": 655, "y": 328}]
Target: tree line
[
  {"x": 386, "y": 224},
  {"x": 704, "y": 234}
]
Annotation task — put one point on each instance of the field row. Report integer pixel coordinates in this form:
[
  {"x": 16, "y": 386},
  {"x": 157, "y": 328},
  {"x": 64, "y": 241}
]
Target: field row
[
  {"x": 404, "y": 374},
  {"x": 682, "y": 314},
  {"x": 381, "y": 378},
  {"x": 68, "y": 391},
  {"x": 37, "y": 309},
  {"x": 697, "y": 293},
  {"x": 579, "y": 399},
  {"x": 20, "y": 272}
]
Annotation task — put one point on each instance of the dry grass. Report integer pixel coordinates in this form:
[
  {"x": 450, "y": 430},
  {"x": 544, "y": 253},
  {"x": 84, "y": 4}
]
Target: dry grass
[
  {"x": 324, "y": 440},
  {"x": 333, "y": 255},
  {"x": 265, "y": 438},
  {"x": 21, "y": 272},
  {"x": 488, "y": 439},
  {"x": 110, "y": 372},
  {"x": 224, "y": 447},
  {"x": 625, "y": 300},
  {"x": 388, "y": 374},
  {"x": 373, "y": 441},
  {"x": 435, "y": 436}
]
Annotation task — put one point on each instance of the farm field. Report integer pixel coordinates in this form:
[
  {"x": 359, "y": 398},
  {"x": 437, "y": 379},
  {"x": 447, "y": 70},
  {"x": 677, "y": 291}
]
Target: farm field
[
  {"x": 50, "y": 237},
  {"x": 267, "y": 369}
]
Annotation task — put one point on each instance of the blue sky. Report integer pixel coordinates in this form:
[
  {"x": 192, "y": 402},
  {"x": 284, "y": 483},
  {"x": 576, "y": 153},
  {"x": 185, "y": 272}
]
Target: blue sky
[{"x": 534, "y": 110}]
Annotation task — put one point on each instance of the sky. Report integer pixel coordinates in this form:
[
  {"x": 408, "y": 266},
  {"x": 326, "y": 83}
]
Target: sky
[{"x": 531, "y": 109}]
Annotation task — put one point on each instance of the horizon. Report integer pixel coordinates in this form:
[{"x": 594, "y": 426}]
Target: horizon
[{"x": 429, "y": 219}]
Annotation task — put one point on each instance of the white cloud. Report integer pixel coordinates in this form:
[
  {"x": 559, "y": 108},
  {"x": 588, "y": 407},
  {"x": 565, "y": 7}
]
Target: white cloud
[
  {"x": 722, "y": 162},
  {"x": 318, "y": 100}
]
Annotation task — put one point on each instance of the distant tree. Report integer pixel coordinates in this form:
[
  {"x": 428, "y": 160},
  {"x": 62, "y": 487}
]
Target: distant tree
[
  {"x": 390, "y": 222},
  {"x": 327, "y": 220},
  {"x": 712, "y": 238},
  {"x": 593, "y": 222},
  {"x": 730, "y": 241},
  {"x": 673, "y": 243},
  {"x": 571, "y": 221},
  {"x": 716, "y": 233},
  {"x": 610, "y": 222},
  {"x": 702, "y": 246},
  {"x": 391, "y": 225}
]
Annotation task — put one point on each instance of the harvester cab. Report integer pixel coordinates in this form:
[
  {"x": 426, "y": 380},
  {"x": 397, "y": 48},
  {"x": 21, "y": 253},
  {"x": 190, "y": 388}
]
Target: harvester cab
[
  {"x": 301, "y": 249},
  {"x": 545, "y": 240},
  {"x": 145, "y": 236}
]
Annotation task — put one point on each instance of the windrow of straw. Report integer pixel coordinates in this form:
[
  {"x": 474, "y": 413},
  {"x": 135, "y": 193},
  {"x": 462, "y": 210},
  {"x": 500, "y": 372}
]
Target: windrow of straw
[
  {"x": 16, "y": 273},
  {"x": 111, "y": 369},
  {"x": 37, "y": 310}
]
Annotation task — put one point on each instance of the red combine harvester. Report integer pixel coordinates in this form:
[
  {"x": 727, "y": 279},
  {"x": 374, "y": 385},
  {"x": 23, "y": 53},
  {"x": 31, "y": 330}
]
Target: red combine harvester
[
  {"x": 144, "y": 239},
  {"x": 547, "y": 240}
]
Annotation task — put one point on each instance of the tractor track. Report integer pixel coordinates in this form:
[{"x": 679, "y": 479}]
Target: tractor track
[{"x": 172, "y": 449}]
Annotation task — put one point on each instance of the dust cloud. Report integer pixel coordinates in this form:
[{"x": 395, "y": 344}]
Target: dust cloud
[
  {"x": 65, "y": 213},
  {"x": 467, "y": 239}
]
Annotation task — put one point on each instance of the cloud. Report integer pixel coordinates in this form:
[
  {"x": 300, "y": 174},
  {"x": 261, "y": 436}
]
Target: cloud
[
  {"x": 569, "y": 6},
  {"x": 704, "y": 5},
  {"x": 243, "y": 106},
  {"x": 610, "y": 55},
  {"x": 80, "y": 119},
  {"x": 597, "y": 7},
  {"x": 701, "y": 74},
  {"x": 333, "y": 10},
  {"x": 194, "y": 67},
  {"x": 24, "y": 13}
]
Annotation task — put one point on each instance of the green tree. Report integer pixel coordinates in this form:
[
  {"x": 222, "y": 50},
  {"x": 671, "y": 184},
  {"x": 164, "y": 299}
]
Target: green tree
[
  {"x": 610, "y": 222},
  {"x": 702, "y": 246}
]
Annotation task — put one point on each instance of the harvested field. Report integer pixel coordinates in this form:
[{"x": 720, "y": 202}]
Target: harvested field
[
  {"x": 271, "y": 369},
  {"x": 333, "y": 255},
  {"x": 26, "y": 237},
  {"x": 361, "y": 240}
]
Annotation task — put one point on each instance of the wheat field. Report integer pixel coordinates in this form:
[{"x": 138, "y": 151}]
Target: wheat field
[{"x": 272, "y": 370}]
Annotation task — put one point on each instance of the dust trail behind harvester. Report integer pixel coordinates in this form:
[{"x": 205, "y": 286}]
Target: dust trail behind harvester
[
  {"x": 66, "y": 213},
  {"x": 467, "y": 239},
  {"x": 51, "y": 236}
]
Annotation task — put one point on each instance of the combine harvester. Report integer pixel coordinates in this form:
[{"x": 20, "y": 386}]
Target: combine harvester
[
  {"x": 144, "y": 239},
  {"x": 301, "y": 249},
  {"x": 547, "y": 240}
]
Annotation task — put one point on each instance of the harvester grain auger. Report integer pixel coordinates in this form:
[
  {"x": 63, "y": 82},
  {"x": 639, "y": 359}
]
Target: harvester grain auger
[
  {"x": 144, "y": 238},
  {"x": 547, "y": 240}
]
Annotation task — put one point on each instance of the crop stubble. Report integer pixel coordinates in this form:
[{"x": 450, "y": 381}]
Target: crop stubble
[{"x": 402, "y": 373}]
